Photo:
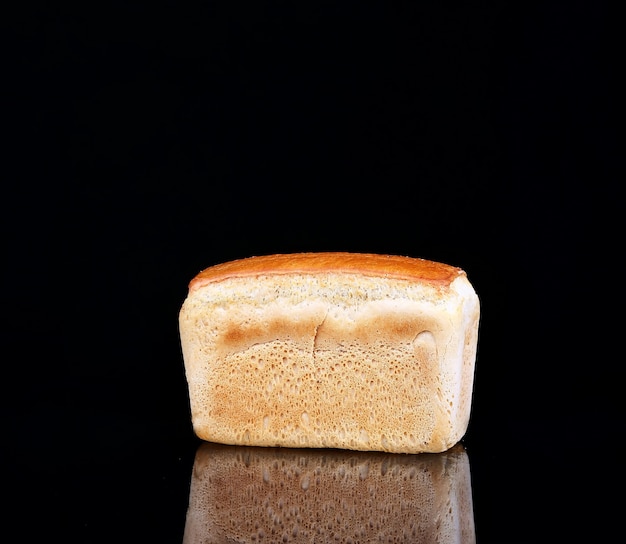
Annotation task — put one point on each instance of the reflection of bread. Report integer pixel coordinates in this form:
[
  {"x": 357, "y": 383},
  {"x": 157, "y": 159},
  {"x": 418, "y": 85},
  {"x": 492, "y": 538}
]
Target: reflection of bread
[
  {"x": 337, "y": 350},
  {"x": 251, "y": 494}
]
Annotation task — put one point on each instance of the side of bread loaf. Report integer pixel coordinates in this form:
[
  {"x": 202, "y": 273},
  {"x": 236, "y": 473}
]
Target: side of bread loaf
[
  {"x": 252, "y": 494},
  {"x": 363, "y": 352}
]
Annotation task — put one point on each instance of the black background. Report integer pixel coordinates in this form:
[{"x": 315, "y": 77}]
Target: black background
[{"x": 148, "y": 141}]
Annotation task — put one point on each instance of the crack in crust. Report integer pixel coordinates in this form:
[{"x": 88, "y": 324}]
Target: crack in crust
[{"x": 316, "y": 334}]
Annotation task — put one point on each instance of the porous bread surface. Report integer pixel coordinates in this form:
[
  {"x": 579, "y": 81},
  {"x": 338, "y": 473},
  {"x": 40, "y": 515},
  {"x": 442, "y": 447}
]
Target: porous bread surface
[
  {"x": 335, "y": 360},
  {"x": 251, "y": 494}
]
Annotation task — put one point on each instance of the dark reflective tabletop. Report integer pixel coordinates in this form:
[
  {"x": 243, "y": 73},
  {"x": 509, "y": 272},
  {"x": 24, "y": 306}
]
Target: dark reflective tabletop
[
  {"x": 247, "y": 494},
  {"x": 110, "y": 483}
]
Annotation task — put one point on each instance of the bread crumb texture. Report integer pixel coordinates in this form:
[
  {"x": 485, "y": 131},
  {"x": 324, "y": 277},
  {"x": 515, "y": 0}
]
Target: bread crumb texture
[
  {"x": 331, "y": 360},
  {"x": 252, "y": 494}
]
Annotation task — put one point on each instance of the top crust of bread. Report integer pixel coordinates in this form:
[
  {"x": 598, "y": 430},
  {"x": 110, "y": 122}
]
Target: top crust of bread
[{"x": 367, "y": 264}]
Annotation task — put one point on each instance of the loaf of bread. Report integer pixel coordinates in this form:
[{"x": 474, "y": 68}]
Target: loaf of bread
[
  {"x": 252, "y": 494},
  {"x": 331, "y": 350}
]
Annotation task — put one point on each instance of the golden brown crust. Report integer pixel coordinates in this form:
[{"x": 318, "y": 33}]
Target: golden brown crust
[{"x": 368, "y": 264}]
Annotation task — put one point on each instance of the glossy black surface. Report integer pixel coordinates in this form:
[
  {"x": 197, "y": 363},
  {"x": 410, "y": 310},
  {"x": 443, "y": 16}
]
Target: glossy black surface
[
  {"x": 146, "y": 142},
  {"x": 302, "y": 495}
]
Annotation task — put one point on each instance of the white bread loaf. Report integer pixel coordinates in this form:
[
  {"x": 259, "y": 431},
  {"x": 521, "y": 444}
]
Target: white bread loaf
[
  {"x": 332, "y": 350},
  {"x": 251, "y": 494}
]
